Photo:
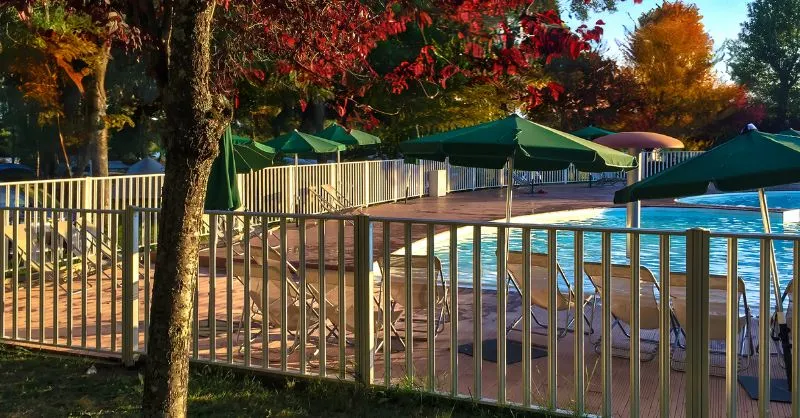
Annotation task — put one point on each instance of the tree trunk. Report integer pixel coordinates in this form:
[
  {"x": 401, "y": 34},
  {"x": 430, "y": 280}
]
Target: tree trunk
[
  {"x": 313, "y": 118},
  {"x": 782, "y": 111},
  {"x": 96, "y": 112},
  {"x": 195, "y": 120}
]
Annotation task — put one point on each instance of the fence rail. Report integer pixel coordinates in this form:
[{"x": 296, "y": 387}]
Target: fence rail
[{"x": 389, "y": 301}]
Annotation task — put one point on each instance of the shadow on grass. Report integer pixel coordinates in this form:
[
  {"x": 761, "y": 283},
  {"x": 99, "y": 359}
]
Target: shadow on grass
[{"x": 37, "y": 384}]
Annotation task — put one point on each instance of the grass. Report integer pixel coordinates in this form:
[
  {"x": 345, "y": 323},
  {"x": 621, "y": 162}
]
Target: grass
[{"x": 37, "y": 384}]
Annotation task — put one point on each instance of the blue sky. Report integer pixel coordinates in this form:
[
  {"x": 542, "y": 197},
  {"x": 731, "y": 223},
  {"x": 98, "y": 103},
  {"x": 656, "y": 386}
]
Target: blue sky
[{"x": 722, "y": 19}]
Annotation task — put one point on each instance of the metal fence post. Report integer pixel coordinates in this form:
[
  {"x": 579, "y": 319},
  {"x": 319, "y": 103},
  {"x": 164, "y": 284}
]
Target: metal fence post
[
  {"x": 85, "y": 201},
  {"x": 367, "y": 200},
  {"x": 697, "y": 314},
  {"x": 421, "y": 180},
  {"x": 364, "y": 285},
  {"x": 130, "y": 286}
]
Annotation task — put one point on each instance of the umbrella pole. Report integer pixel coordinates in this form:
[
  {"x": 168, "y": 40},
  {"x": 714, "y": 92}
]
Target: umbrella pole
[
  {"x": 510, "y": 188},
  {"x": 762, "y": 200},
  {"x": 780, "y": 316},
  {"x": 634, "y": 208}
]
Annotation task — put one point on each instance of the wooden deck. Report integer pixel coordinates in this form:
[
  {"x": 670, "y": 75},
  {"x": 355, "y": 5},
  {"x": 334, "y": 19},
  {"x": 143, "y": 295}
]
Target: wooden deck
[
  {"x": 228, "y": 346},
  {"x": 58, "y": 317}
]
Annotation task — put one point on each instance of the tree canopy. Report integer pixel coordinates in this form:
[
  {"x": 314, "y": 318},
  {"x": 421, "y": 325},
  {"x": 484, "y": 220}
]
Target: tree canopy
[
  {"x": 766, "y": 57},
  {"x": 672, "y": 57}
]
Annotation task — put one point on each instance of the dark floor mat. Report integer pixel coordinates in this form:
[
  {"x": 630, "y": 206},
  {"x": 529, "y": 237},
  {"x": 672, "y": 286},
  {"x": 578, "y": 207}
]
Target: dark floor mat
[
  {"x": 779, "y": 391},
  {"x": 513, "y": 351}
]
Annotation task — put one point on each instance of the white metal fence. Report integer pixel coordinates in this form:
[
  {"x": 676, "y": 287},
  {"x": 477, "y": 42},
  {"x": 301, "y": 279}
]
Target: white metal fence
[
  {"x": 431, "y": 303},
  {"x": 318, "y": 298},
  {"x": 285, "y": 189}
]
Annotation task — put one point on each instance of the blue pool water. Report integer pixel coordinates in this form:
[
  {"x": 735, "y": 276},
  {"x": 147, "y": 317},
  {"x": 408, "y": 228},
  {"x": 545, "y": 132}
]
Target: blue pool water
[
  {"x": 777, "y": 199},
  {"x": 718, "y": 220}
]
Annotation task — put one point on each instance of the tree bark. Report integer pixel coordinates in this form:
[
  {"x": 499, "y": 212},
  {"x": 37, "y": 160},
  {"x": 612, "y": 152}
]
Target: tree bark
[
  {"x": 313, "y": 118},
  {"x": 96, "y": 112},
  {"x": 782, "y": 110},
  {"x": 195, "y": 119}
]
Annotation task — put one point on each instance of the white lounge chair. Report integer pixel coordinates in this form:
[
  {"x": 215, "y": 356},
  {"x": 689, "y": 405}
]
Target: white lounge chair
[
  {"x": 621, "y": 275},
  {"x": 540, "y": 289},
  {"x": 294, "y": 303},
  {"x": 718, "y": 288},
  {"x": 398, "y": 286}
]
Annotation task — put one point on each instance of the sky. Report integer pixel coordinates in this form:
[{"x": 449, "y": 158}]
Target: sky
[{"x": 722, "y": 19}]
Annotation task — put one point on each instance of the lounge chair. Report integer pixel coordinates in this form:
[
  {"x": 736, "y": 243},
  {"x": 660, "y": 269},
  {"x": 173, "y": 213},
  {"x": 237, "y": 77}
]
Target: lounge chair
[
  {"x": 334, "y": 202},
  {"x": 649, "y": 318},
  {"x": 333, "y": 315},
  {"x": 332, "y": 284},
  {"x": 419, "y": 288},
  {"x": 718, "y": 288},
  {"x": 94, "y": 247},
  {"x": 39, "y": 263},
  {"x": 540, "y": 289},
  {"x": 237, "y": 228},
  {"x": 530, "y": 178},
  {"x": 608, "y": 180},
  {"x": 17, "y": 236},
  {"x": 788, "y": 305},
  {"x": 294, "y": 304},
  {"x": 341, "y": 200}
]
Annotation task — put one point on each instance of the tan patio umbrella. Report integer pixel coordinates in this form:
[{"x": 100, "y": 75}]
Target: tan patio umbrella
[{"x": 635, "y": 142}]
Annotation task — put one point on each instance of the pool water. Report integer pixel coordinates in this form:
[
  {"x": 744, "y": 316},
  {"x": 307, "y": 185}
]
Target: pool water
[
  {"x": 777, "y": 199},
  {"x": 719, "y": 220}
]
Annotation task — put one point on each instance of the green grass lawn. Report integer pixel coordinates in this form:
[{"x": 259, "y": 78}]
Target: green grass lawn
[{"x": 36, "y": 384}]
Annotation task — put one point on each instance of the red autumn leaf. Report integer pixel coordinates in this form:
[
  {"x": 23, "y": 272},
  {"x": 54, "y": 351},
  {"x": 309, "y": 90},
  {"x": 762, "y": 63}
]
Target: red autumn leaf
[
  {"x": 474, "y": 50},
  {"x": 600, "y": 22},
  {"x": 555, "y": 89},
  {"x": 424, "y": 19},
  {"x": 288, "y": 40},
  {"x": 340, "y": 110},
  {"x": 303, "y": 105}
]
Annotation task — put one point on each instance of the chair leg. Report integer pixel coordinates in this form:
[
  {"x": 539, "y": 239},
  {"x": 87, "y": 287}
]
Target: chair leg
[{"x": 516, "y": 322}]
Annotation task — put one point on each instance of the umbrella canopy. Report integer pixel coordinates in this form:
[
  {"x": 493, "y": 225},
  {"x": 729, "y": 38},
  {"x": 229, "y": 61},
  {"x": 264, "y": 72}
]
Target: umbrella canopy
[
  {"x": 146, "y": 166},
  {"x": 16, "y": 172},
  {"x": 223, "y": 191},
  {"x": 591, "y": 132},
  {"x": 251, "y": 155},
  {"x": 639, "y": 141},
  {"x": 353, "y": 137},
  {"x": 790, "y": 132},
  {"x": 749, "y": 161},
  {"x": 296, "y": 142},
  {"x": 531, "y": 145}
]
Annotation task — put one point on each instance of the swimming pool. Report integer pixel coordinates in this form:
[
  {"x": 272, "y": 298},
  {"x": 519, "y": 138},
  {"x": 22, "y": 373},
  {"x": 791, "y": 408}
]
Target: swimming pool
[
  {"x": 719, "y": 220},
  {"x": 775, "y": 199}
]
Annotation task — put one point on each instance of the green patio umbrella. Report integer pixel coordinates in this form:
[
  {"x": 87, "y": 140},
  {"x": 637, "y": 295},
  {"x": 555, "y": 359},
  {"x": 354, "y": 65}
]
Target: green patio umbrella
[
  {"x": 591, "y": 132},
  {"x": 752, "y": 160},
  {"x": 251, "y": 155},
  {"x": 297, "y": 142},
  {"x": 790, "y": 132},
  {"x": 518, "y": 143},
  {"x": 353, "y": 137},
  {"x": 223, "y": 191},
  {"x": 521, "y": 144}
]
